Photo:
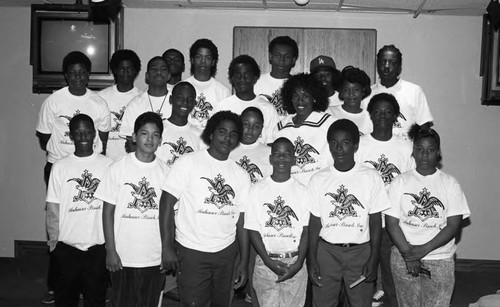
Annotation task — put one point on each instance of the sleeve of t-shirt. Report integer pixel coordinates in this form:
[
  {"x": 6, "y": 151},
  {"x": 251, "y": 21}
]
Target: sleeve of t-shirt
[
  {"x": 244, "y": 190},
  {"x": 395, "y": 194},
  {"x": 103, "y": 122},
  {"x": 314, "y": 199},
  {"x": 109, "y": 187},
  {"x": 423, "y": 113},
  {"x": 177, "y": 179},
  {"x": 457, "y": 201},
  {"x": 379, "y": 199},
  {"x": 54, "y": 186},
  {"x": 45, "y": 123},
  {"x": 273, "y": 119},
  {"x": 128, "y": 119},
  {"x": 251, "y": 220}
]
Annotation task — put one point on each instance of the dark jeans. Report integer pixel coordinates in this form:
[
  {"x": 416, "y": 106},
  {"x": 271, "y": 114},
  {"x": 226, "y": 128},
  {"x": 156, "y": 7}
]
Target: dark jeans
[
  {"x": 76, "y": 271},
  {"x": 206, "y": 277},
  {"x": 137, "y": 286},
  {"x": 390, "y": 299}
]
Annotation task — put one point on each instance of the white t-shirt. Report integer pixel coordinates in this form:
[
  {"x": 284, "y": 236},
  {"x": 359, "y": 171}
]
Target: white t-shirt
[
  {"x": 208, "y": 95},
  {"x": 278, "y": 211},
  {"x": 254, "y": 159},
  {"x": 390, "y": 158},
  {"x": 422, "y": 204},
  {"x": 134, "y": 187},
  {"x": 177, "y": 141},
  {"x": 412, "y": 103},
  {"x": 311, "y": 148},
  {"x": 211, "y": 194},
  {"x": 73, "y": 181},
  {"x": 141, "y": 104},
  {"x": 344, "y": 200},
  {"x": 362, "y": 119},
  {"x": 270, "y": 88},
  {"x": 117, "y": 103},
  {"x": 334, "y": 100},
  {"x": 56, "y": 112},
  {"x": 271, "y": 118}
]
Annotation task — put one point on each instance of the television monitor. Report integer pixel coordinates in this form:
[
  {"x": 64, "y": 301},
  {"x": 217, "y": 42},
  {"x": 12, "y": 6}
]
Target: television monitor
[{"x": 57, "y": 30}]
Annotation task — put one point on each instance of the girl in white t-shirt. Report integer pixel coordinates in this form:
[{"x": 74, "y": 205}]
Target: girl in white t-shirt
[
  {"x": 251, "y": 155},
  {"x": 355, "y": 88},
  {"x": 427, "y": 207}
]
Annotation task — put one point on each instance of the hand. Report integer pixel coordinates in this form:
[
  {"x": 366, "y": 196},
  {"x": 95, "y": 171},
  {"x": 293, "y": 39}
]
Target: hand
[
  {"x": 241, "y": 275},
  {"x": 169, "y": 261},
  {"x": 290, "y": 272},
  {"x": 113, "y": 262},
  {"x": 52, "y": 245},
  {"x": 314, "y": 274},
  {"x": 369, "y": 270},
  {"x": 416, "y": 252},
  {"x": 413, "y": 267},
  {"x": 278, "y": 267}
]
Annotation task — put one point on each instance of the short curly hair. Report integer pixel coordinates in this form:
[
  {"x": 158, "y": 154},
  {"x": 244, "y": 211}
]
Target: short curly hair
[
  {"x": 243, "y": 59},
  {"x": 214, "y": 121},
  {"x": 355, "y": 75},
  {"x": 343, "y": 125},
  {"x": 287, "y": 41},
  {"x": 308, "y": 83},
  {"x": 393, "y": 49},
  {"x": 255, "y": 110},
  {"x": 76, "y": 57},
  {"x": 80, "y": 118},
  {"x": 383, "y": 97},
  {"x": 125, "y": 55},
  {"x": 208, "y": 44}
]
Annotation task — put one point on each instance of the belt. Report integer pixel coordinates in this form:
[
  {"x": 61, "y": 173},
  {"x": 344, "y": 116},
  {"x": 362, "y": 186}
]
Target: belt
[
  {"x": 283, "y": 255},
  {"x": 345, "y": 244}
]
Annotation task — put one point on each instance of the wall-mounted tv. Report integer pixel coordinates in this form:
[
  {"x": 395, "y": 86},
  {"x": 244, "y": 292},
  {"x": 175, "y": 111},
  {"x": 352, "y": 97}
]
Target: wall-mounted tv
[{"x": 57, "y": 30}]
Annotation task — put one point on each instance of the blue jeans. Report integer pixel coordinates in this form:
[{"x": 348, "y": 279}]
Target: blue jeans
[
  {"x": 291, "y": 292},
  {"x": 422, "y": 291}
]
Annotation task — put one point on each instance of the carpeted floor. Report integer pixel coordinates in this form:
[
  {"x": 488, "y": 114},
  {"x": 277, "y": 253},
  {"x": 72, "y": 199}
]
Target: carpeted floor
[{"x": 22, "y": 282}]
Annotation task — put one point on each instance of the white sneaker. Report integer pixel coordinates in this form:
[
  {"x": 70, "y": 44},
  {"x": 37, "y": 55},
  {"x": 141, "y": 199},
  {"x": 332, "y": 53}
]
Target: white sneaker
[{"x": 378, "y": 298}]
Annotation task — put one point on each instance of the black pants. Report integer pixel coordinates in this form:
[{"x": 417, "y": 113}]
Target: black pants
[
  {"x": 137, "y": 286},
  {"x": 77, "y": 271}
]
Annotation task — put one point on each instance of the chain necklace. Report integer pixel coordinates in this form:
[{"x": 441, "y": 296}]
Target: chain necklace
[{"x": 161, "y": 107}]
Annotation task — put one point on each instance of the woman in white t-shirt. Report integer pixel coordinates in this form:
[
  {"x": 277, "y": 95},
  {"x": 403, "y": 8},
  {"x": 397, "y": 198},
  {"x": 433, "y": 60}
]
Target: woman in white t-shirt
[{"x": 427, "y": 207}]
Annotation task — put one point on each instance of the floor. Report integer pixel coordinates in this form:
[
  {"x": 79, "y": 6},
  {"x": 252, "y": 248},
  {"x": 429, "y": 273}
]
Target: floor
[{"x": 22, "y": 283}]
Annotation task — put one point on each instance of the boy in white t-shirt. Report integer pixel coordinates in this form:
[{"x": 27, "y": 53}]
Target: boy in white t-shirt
[
  {"x": 283, "y": 52},
  {"x": 204, "y": 56},
  {"x": 176, "y": 66},
  {"x": 130, "y": 191},
  {"x": 125, "y": 65},
  {"x": 323, "y": 68},
  {"x": 154, "y": 99},
  {"x": 199, "y": 241},
  {"x": 74, "y": 221},
  {"x": 243, "y": 72},
  {"x": 179, "y": 136},
  {"x": 277, "y": 217},
  {"x": 345, "y": 226}
]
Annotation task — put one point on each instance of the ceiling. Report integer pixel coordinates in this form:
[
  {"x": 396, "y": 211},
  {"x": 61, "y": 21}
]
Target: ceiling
[{"x": 414, "y": 7}]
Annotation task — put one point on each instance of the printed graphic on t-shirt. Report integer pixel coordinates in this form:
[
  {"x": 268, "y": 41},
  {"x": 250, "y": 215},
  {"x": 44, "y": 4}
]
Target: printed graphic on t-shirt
[
  {"x": 385, "y": 168},
  {"x": 277, "y": 102},
  {"x": 66, "y": 133},
  {"x": 143, "y": 196},
  {"x": 425, "y": 205},
  {"x": 302, "y": 152},
  {"x": 220, "y": 192},
  {"x": 117, "y": 119},
  {"x": 279, "y": 214},
  {"x": 86, "y": 187},
  {"x": 344, "y": 204},
  {"x": 251, "y": 168},
  {"x": 202, "y": 108},
  {"x": 397, "y": 124},
  {"x": 179, "y": 148}
]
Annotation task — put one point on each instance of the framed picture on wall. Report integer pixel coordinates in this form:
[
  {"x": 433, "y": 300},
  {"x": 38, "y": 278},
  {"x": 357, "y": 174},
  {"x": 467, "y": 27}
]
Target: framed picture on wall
[{"x": 490, "y": 62}]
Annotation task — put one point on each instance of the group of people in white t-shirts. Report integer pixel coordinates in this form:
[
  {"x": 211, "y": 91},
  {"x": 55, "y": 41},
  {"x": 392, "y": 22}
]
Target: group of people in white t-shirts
[{"x": 309, "y": 180}]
